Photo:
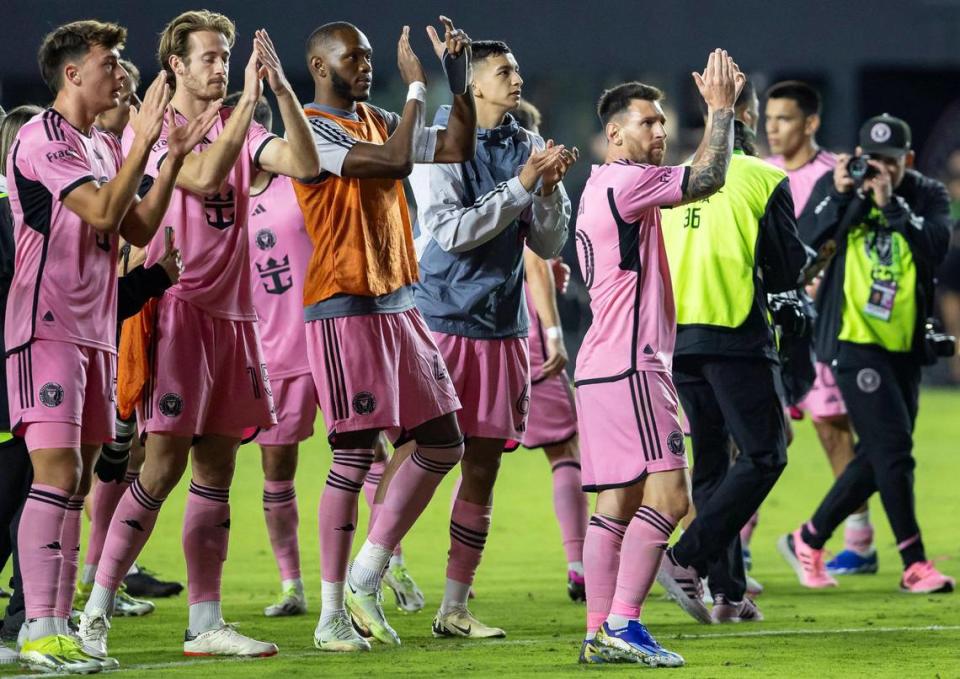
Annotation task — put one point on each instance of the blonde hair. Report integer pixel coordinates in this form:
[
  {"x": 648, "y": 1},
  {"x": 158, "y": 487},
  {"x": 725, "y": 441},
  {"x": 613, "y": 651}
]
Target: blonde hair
[{"x": 174, "y": 41}]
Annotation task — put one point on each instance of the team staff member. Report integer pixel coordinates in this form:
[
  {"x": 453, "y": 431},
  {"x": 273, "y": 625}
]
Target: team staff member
[
  {"x": 891, "y": 230},
  {"x": 735, "y": 246}
]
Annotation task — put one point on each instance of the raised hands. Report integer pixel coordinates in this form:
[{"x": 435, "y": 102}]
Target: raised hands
[
  {"x": 182, "y": 139},
  {"x": 721, "y": 81},
  {"x": 147, "y": 121},
  {"x": 411, "y": 70},
  {"x": 454, "y": 40},
  {"x": 270, "y": 62},
  {"x": 548, "y": 165}
]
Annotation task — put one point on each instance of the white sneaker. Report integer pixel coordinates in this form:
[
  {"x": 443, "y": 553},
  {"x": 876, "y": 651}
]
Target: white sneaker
[
  {"x": 291, "y": 602},
  {"x": 460, "y": 623},
  {"x": 226, "y": 640},
  {"x": 339, "y": 636},
  {"x": 8, "y": 656},
  {"x": 93, "y": 633}
]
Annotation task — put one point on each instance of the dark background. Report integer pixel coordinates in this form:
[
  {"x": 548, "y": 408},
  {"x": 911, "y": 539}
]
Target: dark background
[{"x": 900, "y": 57}]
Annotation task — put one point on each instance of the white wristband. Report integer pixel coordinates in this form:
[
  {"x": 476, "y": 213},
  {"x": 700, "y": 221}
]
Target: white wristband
[
  {"x": 554, "y": 332},
  {"x": 418, "y": 91}
]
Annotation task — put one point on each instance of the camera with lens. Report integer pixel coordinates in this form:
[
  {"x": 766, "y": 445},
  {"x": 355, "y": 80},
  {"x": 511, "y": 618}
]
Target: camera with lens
[
  {"x": 792, "y": 312},
  {"x": 859, "y": 169}
]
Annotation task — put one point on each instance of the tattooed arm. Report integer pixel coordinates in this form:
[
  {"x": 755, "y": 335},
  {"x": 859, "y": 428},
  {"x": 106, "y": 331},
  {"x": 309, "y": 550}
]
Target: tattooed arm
[
  {"x": 708, "y": 170},
  {"x": 720, "y": 85}
]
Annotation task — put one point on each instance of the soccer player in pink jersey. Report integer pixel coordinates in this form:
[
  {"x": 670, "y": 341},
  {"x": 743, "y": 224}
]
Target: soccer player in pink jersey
[
  {"x": 279, "y": 252},
  {"x": 72, "y": 195},
  {"x": 207, "y": 380},
  {"x": 792, "y": 120},
  {"x": 632, "y": 446},
  {"x": 552, "y": 420}
]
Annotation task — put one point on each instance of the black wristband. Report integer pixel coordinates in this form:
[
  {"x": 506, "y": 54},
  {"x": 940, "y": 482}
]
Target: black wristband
[{"x": 456, "y": 69}]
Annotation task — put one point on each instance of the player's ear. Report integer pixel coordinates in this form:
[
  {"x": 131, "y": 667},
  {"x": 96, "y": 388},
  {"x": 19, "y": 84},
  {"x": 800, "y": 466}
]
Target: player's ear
[
  {"x": 613, "y": 134},
  {"x": 317, "y": 66},
  {"x": 176, "y": 64},
  {"x": 811, "y": 124},
  {"x": 71, "y": 73},
  {"x": 910, "y": 158}
]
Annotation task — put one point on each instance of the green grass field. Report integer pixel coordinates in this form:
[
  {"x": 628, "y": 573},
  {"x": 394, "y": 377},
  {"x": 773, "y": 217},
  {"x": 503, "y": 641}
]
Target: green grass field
[{"x": 866, "y": 628}]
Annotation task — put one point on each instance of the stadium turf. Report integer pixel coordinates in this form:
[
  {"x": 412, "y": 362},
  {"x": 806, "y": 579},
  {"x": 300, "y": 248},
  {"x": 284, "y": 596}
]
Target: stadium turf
[{"x": 865, "y": 628}]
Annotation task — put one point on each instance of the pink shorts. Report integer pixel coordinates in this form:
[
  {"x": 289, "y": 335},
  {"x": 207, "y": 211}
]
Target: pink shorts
[
  {"x": 553, "y": 417},
  {"x": 492, "y": 379},
  {"x": 824, "y": 400},
  {"x": 296, "y": 400},
  {"x": 629, "y": 428},
  {"x": 62, "y": 382},
  {"x": 378, "y": 371},
  {"x": 207, "y": 375}
]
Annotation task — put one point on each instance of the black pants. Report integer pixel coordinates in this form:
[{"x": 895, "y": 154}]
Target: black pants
[
  {"x": 726, "y": 398},
  {"x": 16, "y": 475},
  {"x": 881, "y": 391}
]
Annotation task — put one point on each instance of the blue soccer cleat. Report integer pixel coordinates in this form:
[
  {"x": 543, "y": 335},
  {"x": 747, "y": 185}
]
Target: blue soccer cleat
[
  {"x": 635, "y": 639},
  {"x": 849, "y": 562}
]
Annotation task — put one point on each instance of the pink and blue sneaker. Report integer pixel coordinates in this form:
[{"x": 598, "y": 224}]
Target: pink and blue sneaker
[{"x": 636, "y": 640}]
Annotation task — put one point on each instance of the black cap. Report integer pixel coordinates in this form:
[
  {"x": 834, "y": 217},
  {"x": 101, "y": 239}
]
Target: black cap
[{"x": 885, "y": 135}]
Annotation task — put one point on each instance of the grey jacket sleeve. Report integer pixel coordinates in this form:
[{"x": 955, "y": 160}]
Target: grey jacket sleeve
[
  {"x": 441, "y": 213},
  {"x": 549, "y": 219}
]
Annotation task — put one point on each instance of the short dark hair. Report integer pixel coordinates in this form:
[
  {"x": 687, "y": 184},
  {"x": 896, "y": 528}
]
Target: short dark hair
[
  {"x": 324, "y": 33},
  {"x": 483, "y": 49},
  {"x": 73, "y": 41},
  {"x": 807, "y": 98},
  {"x": 132, "y": 71},
  {"x": 262, "y": 113},
  {"x": 618, "y": 98}
]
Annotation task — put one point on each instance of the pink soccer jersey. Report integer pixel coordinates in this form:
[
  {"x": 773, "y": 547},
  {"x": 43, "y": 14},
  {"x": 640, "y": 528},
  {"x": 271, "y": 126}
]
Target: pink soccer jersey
[
  {"x": 210, "y": 231},
  {"x": 280, "y": 251},
  {"x": 803, "y": 178},
  {"x": 625, "y": 268},
  {"x": 64, "y": 284}
]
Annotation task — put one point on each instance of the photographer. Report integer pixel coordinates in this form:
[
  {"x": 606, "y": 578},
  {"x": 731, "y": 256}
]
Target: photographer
[{"x": 890, "y": 227}]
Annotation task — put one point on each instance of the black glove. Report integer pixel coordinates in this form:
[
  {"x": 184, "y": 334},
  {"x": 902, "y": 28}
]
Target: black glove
[
  {"x": 457, "y": 70},
  {"x": 114, "y": 456}
]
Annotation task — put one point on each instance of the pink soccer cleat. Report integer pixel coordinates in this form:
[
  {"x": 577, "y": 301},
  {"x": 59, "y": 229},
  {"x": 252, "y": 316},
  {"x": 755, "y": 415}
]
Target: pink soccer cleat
[
  {"x": 922, "y": 578},
  {"x": 806, "y": 561}
]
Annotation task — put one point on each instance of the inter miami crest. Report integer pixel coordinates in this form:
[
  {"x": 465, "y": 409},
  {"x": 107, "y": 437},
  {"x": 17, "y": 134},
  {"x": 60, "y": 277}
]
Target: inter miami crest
[
  {"x": 364, "y": 403},
  {"x": 171, "y": 405},
  {"x": 51, "y": 394},
  {"x": 220, "y": 209},
  {"x": 675, "y": 443},
  {"x": 266, "y": 239}
]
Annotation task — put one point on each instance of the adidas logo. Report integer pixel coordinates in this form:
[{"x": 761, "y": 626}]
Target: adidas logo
[
  {"x": 133, "y": 523},
  {"x": 48, "y": 317},
  {"x": 53, "y": 545},
  {"x": 259, "y": 210},
  {"x": 648, "y": 350},
  {"x": 347, "y": 527}
]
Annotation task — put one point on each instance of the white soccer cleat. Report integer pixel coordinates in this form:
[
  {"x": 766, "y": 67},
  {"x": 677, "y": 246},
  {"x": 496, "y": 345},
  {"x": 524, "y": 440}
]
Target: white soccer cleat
[
  {"x": 339, "y": 636},
  {"x": 226, "y": 640},
  {"x": 460, "y": 623},
  {"x": 291, "y": 602},
  {"x": 409, "y": 597},
  {"x": 93, "y": 633},
  {"x": 127, "y": 606},
  {"x": 8, "y": 656}
]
